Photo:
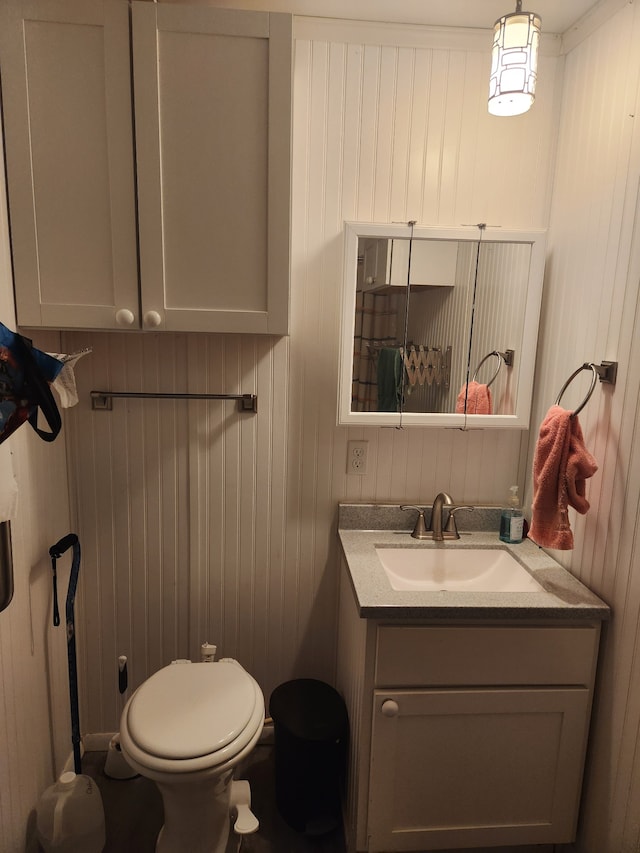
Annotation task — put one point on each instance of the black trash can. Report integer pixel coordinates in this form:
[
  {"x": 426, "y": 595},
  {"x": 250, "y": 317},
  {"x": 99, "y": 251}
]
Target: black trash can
[{"x": 311, "y": 730}]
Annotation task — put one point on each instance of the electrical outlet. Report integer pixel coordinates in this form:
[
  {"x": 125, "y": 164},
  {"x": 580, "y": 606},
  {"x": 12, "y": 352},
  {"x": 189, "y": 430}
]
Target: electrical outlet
[{"x": 357, "y": 457}]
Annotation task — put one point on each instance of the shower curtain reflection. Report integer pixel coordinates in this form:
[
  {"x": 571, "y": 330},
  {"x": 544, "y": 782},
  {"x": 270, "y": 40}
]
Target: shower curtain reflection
[{"x": 378, "y": 324}]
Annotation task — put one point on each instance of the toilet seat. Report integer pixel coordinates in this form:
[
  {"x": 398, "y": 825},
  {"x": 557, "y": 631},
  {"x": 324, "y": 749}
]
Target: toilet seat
[{"x": 193, "y": 716}]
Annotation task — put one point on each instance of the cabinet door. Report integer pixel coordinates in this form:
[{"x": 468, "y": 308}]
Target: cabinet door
[
  {"x": 433, "y": 263},
  {"x": 459, "y": 768},
  {"x": 375, "y": 262},
  {"x": 66, "y": 88},
  {"x": 213, "y": 136}
]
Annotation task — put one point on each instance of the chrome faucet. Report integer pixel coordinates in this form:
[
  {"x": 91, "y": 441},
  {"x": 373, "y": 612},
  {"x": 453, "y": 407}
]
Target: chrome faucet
[
  {"x": 436, "y": 531},
  {"x": 451, "y": 529},
  {"x": 442, "y": 500}
]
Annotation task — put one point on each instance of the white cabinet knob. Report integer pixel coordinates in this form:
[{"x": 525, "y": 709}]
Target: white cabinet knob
[
  {"x": 370, "y": 279},
  {"x": 390, "y": 708},
  {"x": 124, "y": 317},
  {"x": 152, "y": 319}
]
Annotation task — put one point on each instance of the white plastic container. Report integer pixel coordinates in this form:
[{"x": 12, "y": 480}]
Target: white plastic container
[{"x": 70, "y": 816}]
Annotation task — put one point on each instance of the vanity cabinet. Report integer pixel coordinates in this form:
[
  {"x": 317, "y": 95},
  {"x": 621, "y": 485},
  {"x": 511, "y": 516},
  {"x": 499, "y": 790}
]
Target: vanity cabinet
[
  {"x": 148, "y": 165},
  {"x": 463, "y": 735}
]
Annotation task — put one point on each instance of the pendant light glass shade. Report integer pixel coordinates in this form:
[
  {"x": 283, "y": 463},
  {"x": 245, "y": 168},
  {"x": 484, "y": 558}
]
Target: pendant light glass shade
[{"x": 514, "y": 62}]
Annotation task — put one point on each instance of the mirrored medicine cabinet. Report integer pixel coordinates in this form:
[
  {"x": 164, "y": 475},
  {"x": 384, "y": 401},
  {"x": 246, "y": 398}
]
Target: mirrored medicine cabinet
[{"x": 439, "y": 325}]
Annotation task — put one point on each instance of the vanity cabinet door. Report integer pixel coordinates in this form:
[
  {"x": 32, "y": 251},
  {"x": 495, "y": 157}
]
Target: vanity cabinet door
[
  {"x": 66, "y": 91},
  {"x": 213, "y": 143},
  {"x": 462, "y": 768},
  {"x": 433, "y": 264},
  {"x": 385, "y": 264}
]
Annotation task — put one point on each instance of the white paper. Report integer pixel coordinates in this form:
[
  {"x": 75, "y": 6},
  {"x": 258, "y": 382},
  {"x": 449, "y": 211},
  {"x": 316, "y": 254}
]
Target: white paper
[{"x": 65, "y": 382}]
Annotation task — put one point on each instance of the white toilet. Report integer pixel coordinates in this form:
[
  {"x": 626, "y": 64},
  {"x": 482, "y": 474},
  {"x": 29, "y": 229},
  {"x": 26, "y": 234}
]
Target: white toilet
[{"x": 186, "y": 728}]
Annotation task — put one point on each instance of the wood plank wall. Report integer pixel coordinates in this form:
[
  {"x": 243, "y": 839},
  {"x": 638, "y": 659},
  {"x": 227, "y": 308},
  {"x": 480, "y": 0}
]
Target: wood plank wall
[
  {"x": 441, "y": 317},
  {"x": 199, "y": 523},
  {"x": 202, "y": 523},
  {"x": 35, "y": 728},
  {"x": 591, "y": 313}
]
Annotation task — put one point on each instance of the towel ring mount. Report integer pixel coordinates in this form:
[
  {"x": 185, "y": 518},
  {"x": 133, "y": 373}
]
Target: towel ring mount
[
  {"x": 506, "y": 356},
  {"x": 605, "y": 372}
]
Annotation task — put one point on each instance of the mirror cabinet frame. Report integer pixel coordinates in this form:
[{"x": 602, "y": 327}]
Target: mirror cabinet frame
[{"x": 526, "y": 350}]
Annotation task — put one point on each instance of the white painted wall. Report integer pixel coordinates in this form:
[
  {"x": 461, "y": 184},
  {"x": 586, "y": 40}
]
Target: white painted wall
[
  {"x": 199, "y": 523},
  {"x": 591, "y": 313},
  {"x": 35, "y": 730}
]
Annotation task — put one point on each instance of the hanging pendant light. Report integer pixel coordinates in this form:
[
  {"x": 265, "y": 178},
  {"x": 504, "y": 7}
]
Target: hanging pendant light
[{"x": 514, "y": 62}]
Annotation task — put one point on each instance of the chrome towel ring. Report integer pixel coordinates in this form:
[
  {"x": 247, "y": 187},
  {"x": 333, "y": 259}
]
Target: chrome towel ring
[
  {"x": 507, "y": 357},
  {"x": 594, "y": 379}
]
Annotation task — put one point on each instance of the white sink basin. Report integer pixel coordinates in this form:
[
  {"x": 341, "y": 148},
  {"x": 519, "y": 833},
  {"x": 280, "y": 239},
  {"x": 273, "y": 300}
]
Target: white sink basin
[{"x": 455, "y": 569}]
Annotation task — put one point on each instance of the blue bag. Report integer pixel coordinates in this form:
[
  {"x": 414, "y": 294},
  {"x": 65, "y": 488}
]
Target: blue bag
[{"x": 25, "y": 374}]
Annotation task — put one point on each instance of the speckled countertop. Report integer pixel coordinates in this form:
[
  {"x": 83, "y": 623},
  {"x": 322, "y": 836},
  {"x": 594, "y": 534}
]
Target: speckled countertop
[{"x": 363, "y": 527}]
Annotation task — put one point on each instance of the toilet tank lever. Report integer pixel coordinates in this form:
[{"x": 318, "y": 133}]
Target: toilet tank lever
[
  {"x": 240, "y": 800},
  {"x": 246, "y": 821}
]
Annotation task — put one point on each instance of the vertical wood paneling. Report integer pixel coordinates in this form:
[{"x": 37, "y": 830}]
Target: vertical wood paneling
[
  {"x": 498, "y": 317},
  {"x": 32, "y": 653},
  {"x": 131, "y": 485},
  {"x": 204, "y": 523},
  {"x": 591, "y": 312},
  {"x": 198, "y": 522},
  {"x": 201, "y": 523},
  {"x": 34, "y": 707},
  {"x": 35, "y": 728},
  {"x": 441, "y": 317}
]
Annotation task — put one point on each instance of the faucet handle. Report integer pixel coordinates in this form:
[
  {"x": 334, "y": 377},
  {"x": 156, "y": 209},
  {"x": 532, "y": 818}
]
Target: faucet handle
[
  {"x": 451, "y": 526},
  {"x": 420, "y": 529}
]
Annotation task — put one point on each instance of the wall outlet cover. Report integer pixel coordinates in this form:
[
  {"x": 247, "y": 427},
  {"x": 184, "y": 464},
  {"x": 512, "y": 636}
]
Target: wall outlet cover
[{"x": 357, "y": 457}]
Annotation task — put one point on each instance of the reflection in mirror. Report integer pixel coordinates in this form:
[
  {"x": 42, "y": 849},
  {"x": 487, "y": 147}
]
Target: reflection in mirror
[
  {"x": 413, "y": 316},
  {"x": 422, "y": 310},
  {"x": 380, "y": 317},
  {"x": 501, "y": 297},
  {"x": 440, "y": 318}
]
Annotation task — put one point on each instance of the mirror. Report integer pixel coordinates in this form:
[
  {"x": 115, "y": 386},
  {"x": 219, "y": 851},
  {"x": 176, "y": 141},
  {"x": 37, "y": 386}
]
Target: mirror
[{"x": 439, "y": 325}]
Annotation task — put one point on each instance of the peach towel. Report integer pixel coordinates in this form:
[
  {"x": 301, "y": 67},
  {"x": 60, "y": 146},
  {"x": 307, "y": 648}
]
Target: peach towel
[
  {"x": 478, "y": 399},
  {"x": 561, "y": 465}
]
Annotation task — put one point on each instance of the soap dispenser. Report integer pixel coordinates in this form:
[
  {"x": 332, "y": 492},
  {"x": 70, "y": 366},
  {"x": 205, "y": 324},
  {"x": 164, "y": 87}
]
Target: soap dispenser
[{"x": 512, "y": 519}]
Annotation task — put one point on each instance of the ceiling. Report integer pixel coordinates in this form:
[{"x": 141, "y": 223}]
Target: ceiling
[{"x": 557, "y": 15}]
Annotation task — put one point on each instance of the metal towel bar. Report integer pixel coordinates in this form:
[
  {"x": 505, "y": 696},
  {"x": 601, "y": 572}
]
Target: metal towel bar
[
  {"x": 605, "y": 372},
  {"x": 102, "y": 400},
  {"x": 506, "y": 356}
]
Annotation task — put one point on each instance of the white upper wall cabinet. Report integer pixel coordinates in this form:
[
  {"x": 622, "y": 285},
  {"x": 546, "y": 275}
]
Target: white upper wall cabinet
[
  {"x": 199, "y": 140},
  {"x": 213, "y": 143},
  {"x": 66, "y": 93}
]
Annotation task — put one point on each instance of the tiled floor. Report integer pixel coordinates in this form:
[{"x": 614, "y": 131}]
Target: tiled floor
[{"x": 133, "y": 812}]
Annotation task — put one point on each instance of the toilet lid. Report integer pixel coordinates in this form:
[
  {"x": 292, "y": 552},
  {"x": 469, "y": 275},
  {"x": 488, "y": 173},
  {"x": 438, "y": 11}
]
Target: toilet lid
[{"x": 192, "y": 709}]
